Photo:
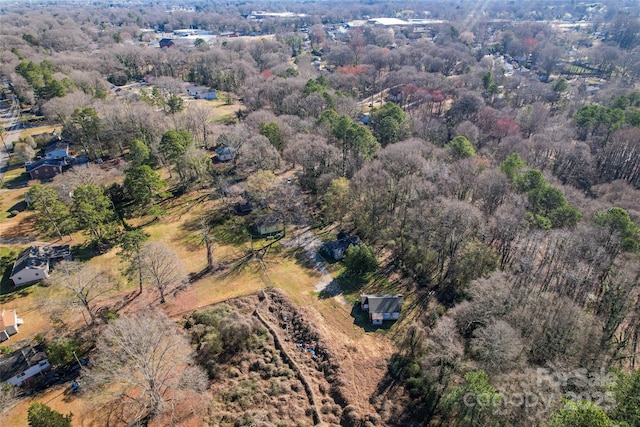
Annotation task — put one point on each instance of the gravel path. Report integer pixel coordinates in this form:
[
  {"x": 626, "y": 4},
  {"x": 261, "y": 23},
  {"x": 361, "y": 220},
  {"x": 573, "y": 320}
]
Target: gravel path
[{"x": 310, "y": 243}]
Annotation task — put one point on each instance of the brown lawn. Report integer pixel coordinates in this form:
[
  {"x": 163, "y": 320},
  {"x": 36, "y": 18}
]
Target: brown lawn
[
  {"x": 220, "y": 108},
  {"x": 39, "y": 130},
  {"x": 60, "y": 398}
]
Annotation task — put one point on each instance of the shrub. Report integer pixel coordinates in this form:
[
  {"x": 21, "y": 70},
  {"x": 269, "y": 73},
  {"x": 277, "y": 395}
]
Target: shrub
[
  {"x": 40, "y": 415},
  {"x": 360, "y": 260},
  {"x": 64, "y": 351}
]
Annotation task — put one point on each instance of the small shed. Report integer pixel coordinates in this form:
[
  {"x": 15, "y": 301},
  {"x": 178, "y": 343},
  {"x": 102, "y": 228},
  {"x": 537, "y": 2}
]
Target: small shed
[
  {"x": 166, "y": 43},
  {"x": 243, "y": 208},
  {"x": 269, "y": 224}
]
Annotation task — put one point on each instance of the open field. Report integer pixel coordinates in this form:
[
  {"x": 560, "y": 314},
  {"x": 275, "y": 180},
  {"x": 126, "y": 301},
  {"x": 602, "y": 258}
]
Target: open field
[{"x": 220, "y": 108}]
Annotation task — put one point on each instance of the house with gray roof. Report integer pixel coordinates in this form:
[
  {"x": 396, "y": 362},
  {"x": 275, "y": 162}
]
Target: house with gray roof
[
  {"x": 225, "y": 154},
  {"x": 337, "y": 249},
  {"x": 33, "y": 264},
  {"x": 22, "y": 366},
  {"x": 381, "y": 307},
  {"x": 45, "y": 168}
]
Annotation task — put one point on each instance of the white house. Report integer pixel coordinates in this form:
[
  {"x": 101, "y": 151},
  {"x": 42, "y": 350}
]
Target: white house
[
  {"x": 22, "y": 366},
  {"x": 202, "y": 92},
  {"x": 33, "y": 263},
  {"x": 9, "y": 322},
  {"x": 381, "y": 307}
]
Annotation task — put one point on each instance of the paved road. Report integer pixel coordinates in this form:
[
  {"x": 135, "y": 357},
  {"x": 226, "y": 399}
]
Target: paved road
[{"x": 10, "y": 121}]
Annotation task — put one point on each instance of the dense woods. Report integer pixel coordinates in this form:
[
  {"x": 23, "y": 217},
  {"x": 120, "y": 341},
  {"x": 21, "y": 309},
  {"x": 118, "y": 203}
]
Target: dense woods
[{"x": 489, "y": 159}]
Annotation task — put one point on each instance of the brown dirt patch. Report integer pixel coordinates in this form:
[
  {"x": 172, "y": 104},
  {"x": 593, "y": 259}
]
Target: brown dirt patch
[{"x": 61, "y": 399}]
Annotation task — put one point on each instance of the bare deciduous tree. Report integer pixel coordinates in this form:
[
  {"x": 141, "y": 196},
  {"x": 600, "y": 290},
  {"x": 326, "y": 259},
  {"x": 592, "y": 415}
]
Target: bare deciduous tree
[
  {"x": 85, "y": 285},
  {"x": 146, "y": 364},
  {"x": 209, "y": 241},
  {"x": 162, "y": 268},
  {"x": 498, "y": 346}
]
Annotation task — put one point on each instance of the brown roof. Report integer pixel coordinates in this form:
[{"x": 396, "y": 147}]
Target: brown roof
[{"x": 8, "y": 318}]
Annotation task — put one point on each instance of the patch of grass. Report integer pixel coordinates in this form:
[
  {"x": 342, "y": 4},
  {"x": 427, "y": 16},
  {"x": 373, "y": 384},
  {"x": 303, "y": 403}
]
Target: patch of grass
[
  {"x": 233, "y": 231},
  {"x": 9, "y": 293},
  {"x": 85, "y": 252},
  {"x": 15, "y": 178},
  {"x": 352, "y": 285},
  {"x": 7, "y": 258},
  {"x": 297, "y": 281},
  {"x": 11, "y": 200},
  {"x": 227, "y": 118}
]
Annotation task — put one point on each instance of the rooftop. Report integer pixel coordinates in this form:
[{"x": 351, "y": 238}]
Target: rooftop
[
  {"x": 44, "y": 162},
  {"x": 19, "y": 361},
  {"x": 37, "y": 257},
  {"x": 56, "y": 145},
  {"x": 268, "y": 220},
  {"x": 387, "y": 303},
  {"x": 8, "y": 318},
  {"x": 32, "y": 257}
]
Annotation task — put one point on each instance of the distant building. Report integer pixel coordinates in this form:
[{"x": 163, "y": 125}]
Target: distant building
[
  {"x": 243, "y": 208},
  {"x": 191, "y": 32},
  {"x": 260, "y": 14},
  {"x": 395, "y": 95},
  {"x": 225, "y": 154},
  {"x": 202, "y": 92},
  {"x": 388, "y": 22},
  {"x": 166, "y": 43},
  {"x": 57, "y": 150}
]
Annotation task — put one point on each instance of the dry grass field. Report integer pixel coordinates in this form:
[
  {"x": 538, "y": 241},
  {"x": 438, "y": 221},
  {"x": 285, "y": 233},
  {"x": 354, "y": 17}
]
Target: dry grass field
[{"x": 39, "y": 130}]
